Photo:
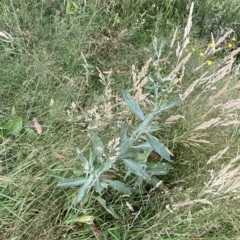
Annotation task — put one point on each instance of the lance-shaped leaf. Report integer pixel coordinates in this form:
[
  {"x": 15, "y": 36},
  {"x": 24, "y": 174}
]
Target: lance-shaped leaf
[
  {"x": 167, "y": 105},
  {"x": 144, "y": 125},
  {"x": 133, "y": 105},
  {"x": 159, "y": 168},
  {"x": 125, "y": 146},
  {"x": 96, "y": 140},
  {"x": 119, "y": 186},
  {"x": 98, "y": 145},
  {"x": 84, "y": 189},
  {"x": 100, "y": 186},
  {"x": 129, "y": 154},
  {"x": 81, "y": 157},
  {"x": 105, "y": 166},
  {"x": 136, "y": 168},
  {"x": 74, "y": 182},
  {"x": 171, "y": 104},
  {"x": 153, "y": 181},
  {"x": 143, "y": 146},
  {"x": 124, "y": 129},
  {"x": 158, "y": 147},
  {"x": 128, "y": 173}
]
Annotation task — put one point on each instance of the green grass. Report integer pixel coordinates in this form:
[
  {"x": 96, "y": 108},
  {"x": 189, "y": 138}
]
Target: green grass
[{"x": 55, "y": 56}]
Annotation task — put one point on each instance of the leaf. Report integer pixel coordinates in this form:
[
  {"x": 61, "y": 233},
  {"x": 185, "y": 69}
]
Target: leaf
[
  {"x": 83, "y": 219},
  {"x": 129, "y": 154},
  {"x": 171, "y": 104},
  {"x": 143, "y": 146},
  {"x": 13, "y": 126},
  {"x": 123, "y": 134},
  {"x": 153, "y": 181},
  {"x": 128, "y": 173},
  {"x": 133, "y": 105},
  {"x": 99, "y": 186},
  {"x": 97, "y": 142},
  {"x": 98, "y": 145},
  {"x": 119, "y": 186},
  {"x": 97, "y": 232},
  {"x": 37, "y": 126},
  {"x": 106, "y": 166},
  {"x": 125, "y": 145},
  {"x": 51, "y": 102},
  {"x": 81, "y": 157},
  {"x": 136, "y": 168},
  {"x": 158, "y": 147},
  {"x": 84, "y": 188},
  {"x": 79, "y": 172},
  {"x": 143, "y": 156},
  {"x": 158, "y": 169},
  {"x": 109, "y": 209},
  {"x": 57, "y": 155},
  {"x": 144, "y": 126},
  {"x": 13, "y": 111},
  {"x": 168, "y": 105},
  {"x": 92, "y": 157},
  {"x": 74, "y": 182}
]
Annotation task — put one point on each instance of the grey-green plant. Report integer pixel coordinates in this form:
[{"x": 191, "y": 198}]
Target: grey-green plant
[{"x": 132, "y": 152}]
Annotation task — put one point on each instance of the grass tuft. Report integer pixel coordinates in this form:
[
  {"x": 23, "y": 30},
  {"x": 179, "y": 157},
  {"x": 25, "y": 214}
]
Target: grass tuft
[{"x": 65, "y": 63}]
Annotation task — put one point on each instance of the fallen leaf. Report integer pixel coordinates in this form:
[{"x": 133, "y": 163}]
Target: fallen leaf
[
  {"x": 51, "y": 102},
  {"x": 59, "y": 156},
  {"x": 120, "y": 72},
  {"x": 83, "y": 219},
  {"x": 2, "y": 168},
  {"x": 97, "y": 232},
  {"x": 37, "y": 126}
]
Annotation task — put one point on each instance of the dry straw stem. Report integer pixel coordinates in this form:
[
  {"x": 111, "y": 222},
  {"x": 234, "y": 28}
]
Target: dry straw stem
[
  {"x": 186, "y": 33},
  {"x": 174, "y": 38},
  {"x": 184, "y": 203},
  {"x": 172, "y": 119},
  {"x": 212, "y": 79},
  {"x": 208, "y": 124},
  {"x": 225, "y": 120},
  {"x": 195, "y": 141},
  {"x": 189, "y": 90},
  {"x": 220, "y": 40},
  {"x": 226, "y": 180},
  {"x": 223, "y": 182},
  {"x": 218, "y": 94},
  {"x": 173, "y": 74},
  {"x": 231, "y": 105},
  {"x": 217, "y": 156},
  {"x": 5, "y": 37},
  {"x": 234, "y": 122},
  {"x": 200, "y": 66},
  {"x": 139, "y": 80}
]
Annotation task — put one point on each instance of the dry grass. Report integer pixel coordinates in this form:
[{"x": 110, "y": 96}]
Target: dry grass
[
  {"x": 206, "y": 127},
  {"x": 193, "y": 200}
]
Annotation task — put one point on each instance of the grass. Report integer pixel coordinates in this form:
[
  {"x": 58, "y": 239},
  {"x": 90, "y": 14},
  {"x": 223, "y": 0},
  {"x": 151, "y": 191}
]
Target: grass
[{"x": 62, "y": 63}]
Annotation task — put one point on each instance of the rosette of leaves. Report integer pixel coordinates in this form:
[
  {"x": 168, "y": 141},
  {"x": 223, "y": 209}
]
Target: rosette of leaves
[{"x": 133, "y": 156}]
